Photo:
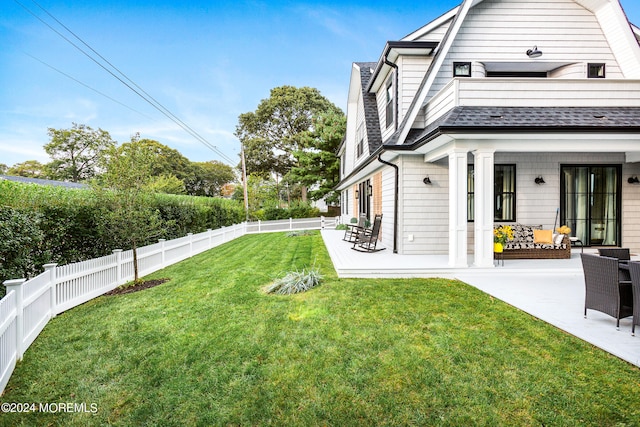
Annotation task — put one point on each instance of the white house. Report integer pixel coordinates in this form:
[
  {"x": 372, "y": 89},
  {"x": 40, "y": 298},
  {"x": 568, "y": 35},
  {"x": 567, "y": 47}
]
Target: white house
[{"x": 514, "y": 110}]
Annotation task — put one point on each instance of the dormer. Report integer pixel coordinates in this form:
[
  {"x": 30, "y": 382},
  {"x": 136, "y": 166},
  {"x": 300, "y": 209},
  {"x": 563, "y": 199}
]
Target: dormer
[{"x": 396, "y": 78}]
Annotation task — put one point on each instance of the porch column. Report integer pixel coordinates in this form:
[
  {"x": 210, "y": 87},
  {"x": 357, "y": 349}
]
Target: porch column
[
  {"x": 458, "y": 208},
  {"x": 483, "y": 210}
]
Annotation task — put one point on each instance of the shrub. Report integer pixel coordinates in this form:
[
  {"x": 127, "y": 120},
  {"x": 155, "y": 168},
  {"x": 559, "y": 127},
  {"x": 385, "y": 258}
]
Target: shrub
[
  {"x": 297, "y": 210},
  {"x": 22, "y": 250},
  {"x": 295, "y": 282},
  {"x": 341, "y": 227}
]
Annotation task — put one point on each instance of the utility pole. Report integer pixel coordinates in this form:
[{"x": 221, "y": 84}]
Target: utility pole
[{"x": 244, "y": 182}]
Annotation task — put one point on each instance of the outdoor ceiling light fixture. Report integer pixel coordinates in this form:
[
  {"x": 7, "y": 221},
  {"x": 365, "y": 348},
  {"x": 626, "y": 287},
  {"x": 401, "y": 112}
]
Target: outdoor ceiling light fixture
[
  {"x": 633, "y": 180},
  {"x": 427, "y": 181},
  {"x": 534, "y": 53},
  {"x": 539, "y": 180}
]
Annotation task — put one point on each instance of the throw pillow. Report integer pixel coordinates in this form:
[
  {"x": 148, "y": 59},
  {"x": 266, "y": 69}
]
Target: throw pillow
[{"x": 543, "y": 236}]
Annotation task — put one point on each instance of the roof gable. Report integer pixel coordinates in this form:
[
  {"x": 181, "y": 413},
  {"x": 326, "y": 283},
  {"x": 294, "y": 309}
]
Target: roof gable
[{"x": 608, "y": 13}]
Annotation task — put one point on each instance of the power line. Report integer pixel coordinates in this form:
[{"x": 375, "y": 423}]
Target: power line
[
  {"x": 144, "y": 95},
  {"x": 87, "y": 86}
]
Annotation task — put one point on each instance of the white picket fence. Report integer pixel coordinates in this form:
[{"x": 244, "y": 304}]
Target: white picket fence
[{"x": 29, "y": 304}]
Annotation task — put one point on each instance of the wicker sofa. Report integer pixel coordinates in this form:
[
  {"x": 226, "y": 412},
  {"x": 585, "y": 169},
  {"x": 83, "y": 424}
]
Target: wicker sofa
[{"x": 523, "y": 246}]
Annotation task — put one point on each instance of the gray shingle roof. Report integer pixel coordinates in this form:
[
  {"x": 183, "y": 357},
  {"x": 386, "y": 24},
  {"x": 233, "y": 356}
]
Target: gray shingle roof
[
  {"x": 531, "y": 119},
  {"x": 43, "y": 181},
  {"x": 372, "y": 122}
]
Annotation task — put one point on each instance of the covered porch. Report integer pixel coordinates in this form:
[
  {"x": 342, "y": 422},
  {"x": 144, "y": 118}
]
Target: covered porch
[{"x": 550, "y": 290}]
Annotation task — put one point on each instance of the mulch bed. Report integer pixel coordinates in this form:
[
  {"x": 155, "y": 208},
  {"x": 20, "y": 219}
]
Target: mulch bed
[{"x": 139, "y": 287}]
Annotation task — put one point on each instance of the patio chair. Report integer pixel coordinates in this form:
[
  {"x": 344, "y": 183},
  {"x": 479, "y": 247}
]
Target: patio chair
[
  {"x": 634, "y": 269},
  {"x": 367, "y": 240},
  {"x": 622, "y": 255},
  {"x": 353, "y": 229},
  {"x": 605, "y": 292}
]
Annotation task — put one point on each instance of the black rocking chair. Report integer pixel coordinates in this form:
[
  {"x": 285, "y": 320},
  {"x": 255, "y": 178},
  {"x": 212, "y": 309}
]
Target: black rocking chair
[
  {"x": 367, "y": 239},
  {"x": 353, "y": 230}
]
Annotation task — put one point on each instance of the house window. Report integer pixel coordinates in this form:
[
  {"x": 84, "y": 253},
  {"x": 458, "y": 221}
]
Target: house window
[
  {"x": 504, "y": 193},
  {"x": 590, "y": 202},
  {"x": 389, "y": 102},
  {"x": 360, "y": 139},
  {"x": 345, "y": 195},
  {"x": 596, "y": 71},
  {"x": 364, "y": 198},
  {"x": 462, "y": 69}
]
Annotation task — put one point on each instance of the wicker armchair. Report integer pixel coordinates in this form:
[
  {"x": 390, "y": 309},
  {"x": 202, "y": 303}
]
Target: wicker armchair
[
  {"x": 622, "y": 254},
  {"x": 634, "y": 269},
  {"x": 605, "y": 292}
]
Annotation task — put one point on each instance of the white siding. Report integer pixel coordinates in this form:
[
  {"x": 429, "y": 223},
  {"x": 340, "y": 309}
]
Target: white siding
[
  {"x": 388, "y": 196},
  {"x": 424, "y": 208},
  {"x": 412, "y": 70},
  {"x": 381, "y": 98},
  {"x": 630, "y": 208},
  {"x": 501, "y": 30}
]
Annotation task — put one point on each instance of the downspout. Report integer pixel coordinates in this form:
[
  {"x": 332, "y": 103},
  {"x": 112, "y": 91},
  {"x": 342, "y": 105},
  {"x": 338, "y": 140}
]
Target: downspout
[
  {"x": 395, "y": 203},
  {"x": 395, "y": 85}
]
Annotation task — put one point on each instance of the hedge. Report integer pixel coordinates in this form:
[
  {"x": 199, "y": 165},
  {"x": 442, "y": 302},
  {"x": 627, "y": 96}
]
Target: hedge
[{"x": 42, "y": 224}]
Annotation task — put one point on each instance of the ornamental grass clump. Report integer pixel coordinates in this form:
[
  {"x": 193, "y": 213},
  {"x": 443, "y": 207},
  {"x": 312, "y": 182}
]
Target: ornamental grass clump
[{"x": 295, "y": 282}]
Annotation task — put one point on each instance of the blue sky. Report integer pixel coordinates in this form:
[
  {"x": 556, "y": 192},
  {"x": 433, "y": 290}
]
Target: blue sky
[{"x": 206, "y": 61}]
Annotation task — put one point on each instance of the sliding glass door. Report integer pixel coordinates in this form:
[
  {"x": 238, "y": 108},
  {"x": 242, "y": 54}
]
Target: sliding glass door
[{"x": 590, "y": 203}]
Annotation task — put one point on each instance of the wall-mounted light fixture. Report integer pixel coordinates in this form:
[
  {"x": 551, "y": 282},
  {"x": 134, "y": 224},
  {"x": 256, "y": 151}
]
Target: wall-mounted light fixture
[
  {"x": 633, "y": 180},
  {"x": 539, "y": 180},
  {"x": 534, "y": 53},
  {"x": 427, "y": 181},
  {"x": 357, "y": 194},
  {"x": 370, "y": 190}
]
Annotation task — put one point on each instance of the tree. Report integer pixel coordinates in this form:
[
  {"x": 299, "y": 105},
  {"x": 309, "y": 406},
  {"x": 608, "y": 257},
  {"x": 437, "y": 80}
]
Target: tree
[
  {"x": 165, "y": 160},
  {"x": 276, "y": 130},
  {"x": 124, "y": 192},
  {"x": 318, "y": 166},
  {"x": 75, "y": 152},
  {"x": 209, "y": 178},
  {"x": 3, "y": 168},
  {"x": 28, "y": 169}
]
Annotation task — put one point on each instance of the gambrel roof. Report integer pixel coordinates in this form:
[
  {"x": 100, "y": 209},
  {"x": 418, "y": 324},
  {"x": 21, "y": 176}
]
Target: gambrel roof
[{"x": 609, "y": 13}]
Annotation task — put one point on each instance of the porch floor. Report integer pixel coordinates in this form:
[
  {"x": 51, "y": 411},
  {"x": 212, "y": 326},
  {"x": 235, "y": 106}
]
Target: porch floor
[{"x": 551, "y": 290}]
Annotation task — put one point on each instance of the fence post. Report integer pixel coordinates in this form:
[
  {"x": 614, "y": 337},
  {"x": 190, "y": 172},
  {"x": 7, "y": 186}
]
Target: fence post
[
  {"x": 162, "y": 257},
  {"x": 118, "y": 254},
  {"x": 16, "y": 286},
  {"x": 290, "y": 223},
  {"x": 259, "y": 226},
  {"x": 322, "y": 222},
  {"x": 190, "y": 244},
  {"x": 51, "y": 268},
  {"x": 210, "y": 236}
]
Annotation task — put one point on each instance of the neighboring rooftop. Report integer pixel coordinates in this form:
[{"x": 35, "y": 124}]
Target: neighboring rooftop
[{"x": 44, "y": 182}]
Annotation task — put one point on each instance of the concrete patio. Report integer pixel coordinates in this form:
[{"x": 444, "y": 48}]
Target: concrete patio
[{"x": 551, "y": 290}]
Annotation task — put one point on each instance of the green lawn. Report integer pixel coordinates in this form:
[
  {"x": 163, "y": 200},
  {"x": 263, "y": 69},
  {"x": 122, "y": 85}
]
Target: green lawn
[{"x": 210, "y": 348}]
